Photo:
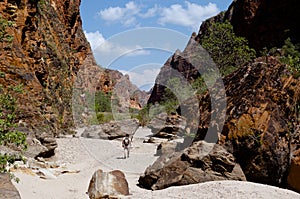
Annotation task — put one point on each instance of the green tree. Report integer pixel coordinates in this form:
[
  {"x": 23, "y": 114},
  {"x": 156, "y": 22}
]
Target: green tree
[
  {"x": 199, "y": 85},
  {"x": 102, "y": 102},
  {"x": 9, "y": 137},
  {"x": 170, "y": 101},
  {"x": 226, "y": 49},
  {"x": 143, "y": 115}
]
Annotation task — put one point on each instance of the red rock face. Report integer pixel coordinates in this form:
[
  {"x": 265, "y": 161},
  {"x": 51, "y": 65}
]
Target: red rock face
[
  {"x": 261, "y": 125},
  {"x": 261, "y": 102},
  {"x": 47, "y": 50},
  {"x": 265, "y": 23}
]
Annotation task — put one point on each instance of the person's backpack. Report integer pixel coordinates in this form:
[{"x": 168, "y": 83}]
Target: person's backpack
[{"x": 126, "y": 141}]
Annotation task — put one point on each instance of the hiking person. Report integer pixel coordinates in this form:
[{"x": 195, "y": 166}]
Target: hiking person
[{"x": 126, "y": 144}]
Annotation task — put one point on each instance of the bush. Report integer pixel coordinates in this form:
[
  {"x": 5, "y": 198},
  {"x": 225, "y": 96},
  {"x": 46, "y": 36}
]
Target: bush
[
  {"x": 8, "y": 136},
  {"x": 226, "y": 49},
  {"x": 104, "y": 117},
  {"x": 4, "y": 36},
  {"x": 147, "y": 113},
  {"x": 291, "y": 57},
  {"x": 143, "y": 116},
  {"x": 170, "y": 101}
]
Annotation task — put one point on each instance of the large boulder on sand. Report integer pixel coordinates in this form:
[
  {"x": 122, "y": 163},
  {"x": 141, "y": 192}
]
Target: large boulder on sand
[
  {"x": 111, "y": 130},
  {"x": 199, "y": 163},
  {"x": 7, "y": 189},
  {"x": 108, "y": 185}
]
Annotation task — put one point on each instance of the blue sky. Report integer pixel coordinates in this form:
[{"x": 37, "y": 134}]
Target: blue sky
[{"x": 118, "y": 37}]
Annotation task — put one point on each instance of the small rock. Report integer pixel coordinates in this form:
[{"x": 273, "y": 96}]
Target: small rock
[{"x": 45, "y": 174}]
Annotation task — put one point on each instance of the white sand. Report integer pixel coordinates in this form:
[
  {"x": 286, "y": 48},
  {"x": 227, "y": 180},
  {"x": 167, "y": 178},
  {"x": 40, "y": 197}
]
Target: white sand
[{"x": 88, "y": 155}]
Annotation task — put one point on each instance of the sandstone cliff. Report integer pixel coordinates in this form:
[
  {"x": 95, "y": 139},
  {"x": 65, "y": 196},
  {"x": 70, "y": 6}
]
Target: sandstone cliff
[
  {"x": 47, "y": 50},
  {"x": 261, "y": 123}
]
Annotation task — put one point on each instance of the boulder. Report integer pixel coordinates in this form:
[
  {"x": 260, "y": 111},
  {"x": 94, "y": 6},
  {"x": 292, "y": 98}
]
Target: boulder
[
  {"x": 108, "y": 185},
  {"x": 7, "y": 189},
  {"x": 294, "y": 176},
  {"x": 128, "y": 125},
  {"x": 165, "y": 148},
  {"x": 104, "y": 131},
  {"x": 46, "y": 174},
  {"x": 50, "y": 144},
  {"x": 111, "y": 130},
  {"x": 167, "y": 126},
  {"x": 200, "y": 162},
  {"x": 35, "y": 148},
  {"x": 293, "y": 179}
]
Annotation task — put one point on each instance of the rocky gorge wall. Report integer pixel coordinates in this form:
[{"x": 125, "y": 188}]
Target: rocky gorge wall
[
  {"x": 261, "y": 125},
  {"x": 264, "y": 23},
  {"x": 47, "y": 50},
  {"x": 50, "y": 57}
]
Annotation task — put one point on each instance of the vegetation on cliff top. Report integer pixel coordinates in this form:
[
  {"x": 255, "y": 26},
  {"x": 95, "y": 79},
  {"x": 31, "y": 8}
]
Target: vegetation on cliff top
[{"x": 226, "y": 49}]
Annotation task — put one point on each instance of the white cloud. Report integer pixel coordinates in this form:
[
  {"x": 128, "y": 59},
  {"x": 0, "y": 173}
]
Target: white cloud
[
  {"x": 106, "y": 51},
  {"x": 144, "y": 78},
  {"x": 112, "y": 49},
  {"x": 188, "y": 15},
  {"x": 137, "y": 51},
  {"x": 100, "y": 44},
  {"x": 126, "y": 15},
  {"x": 130, "y": 22},
  {"x": 191, "y": 15},
  {"x": 95, "y": 38},
  {"x": 112, "y": 14},
  {"x": 151, "y": 12}
]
